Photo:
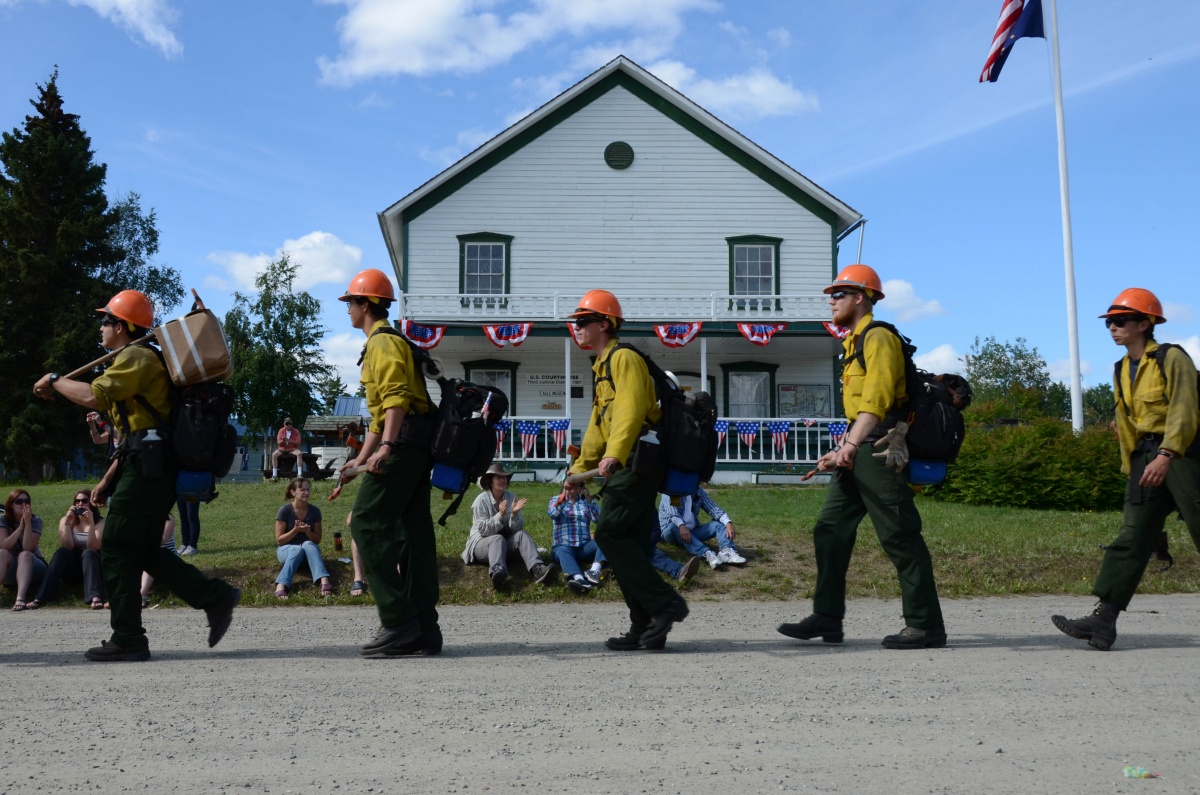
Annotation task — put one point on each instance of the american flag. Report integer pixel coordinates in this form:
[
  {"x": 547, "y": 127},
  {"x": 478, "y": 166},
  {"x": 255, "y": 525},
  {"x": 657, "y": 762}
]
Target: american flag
[
  {"x": 511, "y": 334},
  {"x": 501, "y": 431},
  {"x": 841, "y": 332},
  {"x": 747, "y": 431},
  {"x": 422, "y": 336},
  {"x": 559, "y": 428},
  {"x": 837, "y": 431},
  {"x": 722, "y": 428},
  {"x": 1018, "y": 19},
  {"x": 760, "y": 333},
  {"x": 809, "y": 423},
  {"x": 677, "y": 335},
  {"x": 529, "y": 431},
  {"x": 779, "y": 432}
]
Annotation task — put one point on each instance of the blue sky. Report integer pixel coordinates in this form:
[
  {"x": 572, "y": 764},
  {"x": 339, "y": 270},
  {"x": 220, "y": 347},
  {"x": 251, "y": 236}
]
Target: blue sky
[{"x": 253, "y": 128}]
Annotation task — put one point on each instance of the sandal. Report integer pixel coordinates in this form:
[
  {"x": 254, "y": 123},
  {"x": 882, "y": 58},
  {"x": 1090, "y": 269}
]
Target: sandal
[
  {"x": 358, "y": 588},
  {"x": 97, "y": 603},
  {"x": 33, "y": 605},
  {"x": 281, "y": 591},
  {"x": 19, "y": 605},
  {"x": 327, "y": 588}
]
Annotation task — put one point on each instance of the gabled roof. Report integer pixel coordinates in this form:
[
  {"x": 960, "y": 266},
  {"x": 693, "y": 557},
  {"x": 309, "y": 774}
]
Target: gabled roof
[{"x": 619, "y": 72}]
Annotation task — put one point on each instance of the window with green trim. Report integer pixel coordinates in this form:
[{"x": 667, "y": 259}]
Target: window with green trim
[
  {"x": 749, "y": 389},
  {"x": 754, "y": 269},
  {"x": 483, "y": 267},
  {"x": 497, "y": 373}
]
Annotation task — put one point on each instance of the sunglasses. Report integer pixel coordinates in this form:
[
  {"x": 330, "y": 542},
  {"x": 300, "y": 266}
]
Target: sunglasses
[
  {"x": 109, "y": 320},
  {"x": 840, "y": 294},
  {"x": 82, "y": 501},
  {"x": 21, "y": 501},
  {"x": 582, "y": 322},
  {"x": 1120, "y": 320}
]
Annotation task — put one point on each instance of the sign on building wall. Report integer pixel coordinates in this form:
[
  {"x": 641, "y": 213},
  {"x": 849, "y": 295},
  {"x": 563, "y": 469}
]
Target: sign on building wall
[
  {"x": 550, "y": 385},
  {"x": 804, "y": 400}
]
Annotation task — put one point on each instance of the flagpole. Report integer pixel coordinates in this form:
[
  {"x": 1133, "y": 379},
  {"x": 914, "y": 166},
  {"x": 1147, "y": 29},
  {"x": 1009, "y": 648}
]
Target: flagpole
[{"x": 1068, "y": 248}]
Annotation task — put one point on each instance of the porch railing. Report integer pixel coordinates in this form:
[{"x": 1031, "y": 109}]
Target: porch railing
[
  {"x": 744, "y": 440},
  {"x": 430, "y": 307}
]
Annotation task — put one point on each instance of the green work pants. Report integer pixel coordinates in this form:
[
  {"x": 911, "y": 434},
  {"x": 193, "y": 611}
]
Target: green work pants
[
  {"x": 394, "y": 532},
  {"x": 132, "y": 543},
  {"x": 1146, "y": 511},
  {"x": 628, "y": 519},
  {"x": 871, "y": 488}
]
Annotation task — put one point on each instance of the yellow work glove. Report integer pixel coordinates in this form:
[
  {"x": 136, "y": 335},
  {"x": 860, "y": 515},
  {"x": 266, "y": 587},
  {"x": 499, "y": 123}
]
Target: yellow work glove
[{"x": 896, "y": 455}]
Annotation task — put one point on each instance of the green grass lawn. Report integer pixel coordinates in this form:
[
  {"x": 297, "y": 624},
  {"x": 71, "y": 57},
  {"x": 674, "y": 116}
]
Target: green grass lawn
[{"x": 976, "y": 551}]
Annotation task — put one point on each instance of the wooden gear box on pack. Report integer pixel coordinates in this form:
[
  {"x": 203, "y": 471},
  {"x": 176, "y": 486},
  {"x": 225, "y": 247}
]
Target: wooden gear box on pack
[{"x": 194, "y": 348}]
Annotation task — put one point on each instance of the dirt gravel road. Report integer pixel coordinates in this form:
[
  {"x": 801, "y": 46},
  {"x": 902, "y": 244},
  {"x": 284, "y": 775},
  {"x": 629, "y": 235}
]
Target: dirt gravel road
[{"x": 526, "y": 699}]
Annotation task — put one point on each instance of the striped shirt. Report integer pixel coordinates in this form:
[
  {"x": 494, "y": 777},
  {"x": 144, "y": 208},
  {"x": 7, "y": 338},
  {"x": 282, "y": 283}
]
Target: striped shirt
[
  {"x": 689, "y": 507},
  {"x": 572, "y": 520}
]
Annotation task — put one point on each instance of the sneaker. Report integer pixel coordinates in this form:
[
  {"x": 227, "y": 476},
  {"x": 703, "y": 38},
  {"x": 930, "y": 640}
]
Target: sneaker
[
  {"x": 689, "y": 570},
  {"x": 729, "y": 555},
  {"x": 541, "y": 572},
  {"x": 632, "y": 641},
  {"x": 713, "y": 560},
  {"x": 111, "y": 652},
  {"x": 187, "y": 550},
  {"x": 221, "y": 616},
  {"x": 578, "y": 585},
  {"x": 592, "y": 576},
  {"x": 917, "y": 638},
  {"x": 395, "y": 641},
  {"x": 1099, "y": 629},
  {"x": 656, "y": 634},
  {"x": 499, "y": 577},
  {"x": 815, "y": 626}
]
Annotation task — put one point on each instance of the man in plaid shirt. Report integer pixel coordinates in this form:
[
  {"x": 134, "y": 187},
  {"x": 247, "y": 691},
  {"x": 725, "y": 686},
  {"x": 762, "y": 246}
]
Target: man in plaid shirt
[
  {"x": 681, "y": 525},
  {"x": 572, "y": 513}
]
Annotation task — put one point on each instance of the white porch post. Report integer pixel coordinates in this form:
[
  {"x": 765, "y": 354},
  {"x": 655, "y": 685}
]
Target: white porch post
[
  {"x": 567, "y": 382},
  {"x": 704, "y": 365}
]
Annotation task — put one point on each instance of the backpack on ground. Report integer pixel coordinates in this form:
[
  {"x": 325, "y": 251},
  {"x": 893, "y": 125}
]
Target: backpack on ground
[
  {"x": 687, "y": 430},
  {"x": 460, "y": 434},
  {"x": 933, "y": 410}
]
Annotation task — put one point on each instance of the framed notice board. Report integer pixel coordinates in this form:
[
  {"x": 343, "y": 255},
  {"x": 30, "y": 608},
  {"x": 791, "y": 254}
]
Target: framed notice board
[{"x": 804, "y": 400}]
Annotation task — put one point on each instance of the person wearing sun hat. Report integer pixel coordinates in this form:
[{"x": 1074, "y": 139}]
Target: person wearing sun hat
[
  {"x": 498, "y": 531},
  {"x": 1157, "y": 420}
]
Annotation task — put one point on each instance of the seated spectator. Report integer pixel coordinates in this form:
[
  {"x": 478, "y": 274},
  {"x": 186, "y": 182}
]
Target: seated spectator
[
  {"x": 288, "y": 443},
  {"x": 168, "y": 543},
  {"x": 682, "y": 526},
  {"x": 21, "y": 563},
  {"x": 298, "y": 534},
  {"x": 78, "y": 556},
  {"x": 498, "y": 531},
  {"x": 572, "y": 513},
  {"x": 359, "y": 586},
  {"x": 667, "y": 565}
]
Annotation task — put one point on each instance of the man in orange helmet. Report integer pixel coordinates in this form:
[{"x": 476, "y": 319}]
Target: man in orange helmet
[
  {"x": 874, "y": 395},
  {"x": 391, "y": 522},
  {"x": 136, "y": 389},
  {"x": 1157, "y": 420},
  {"x": 624, "y": 408}
]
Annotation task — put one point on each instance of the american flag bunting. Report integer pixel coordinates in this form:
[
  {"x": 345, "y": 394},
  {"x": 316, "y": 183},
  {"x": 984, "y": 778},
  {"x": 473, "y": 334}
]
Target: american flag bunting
[
  {"x": 779, "y": 432},
  {"x": 747, "y": 432},
  {"x": 559, "y": 429},
  {"x": 837, "y": 431},
  {"x": 529, "y": 431}
]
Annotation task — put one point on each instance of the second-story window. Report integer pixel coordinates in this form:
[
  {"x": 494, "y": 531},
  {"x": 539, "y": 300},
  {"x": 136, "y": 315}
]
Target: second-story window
[
  {"x": 754, "y": 269},
  {"x": 484, "y": 267}
]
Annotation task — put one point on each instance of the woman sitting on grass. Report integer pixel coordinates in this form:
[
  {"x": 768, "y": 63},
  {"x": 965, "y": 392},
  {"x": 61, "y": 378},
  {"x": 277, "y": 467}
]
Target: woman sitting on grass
[
  {"x": 298, "y": 534},
  {"x": 78, "y": 556},
  {"x": 21, "y": 563}
]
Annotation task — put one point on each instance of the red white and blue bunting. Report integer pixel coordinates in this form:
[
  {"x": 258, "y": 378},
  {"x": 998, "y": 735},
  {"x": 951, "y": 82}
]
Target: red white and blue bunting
[
  {"x": 779, "y": 432},
  {"x": 747, "y": 432},
  {"x": 722, "y": 428},
  {"x": 422, "y": 336},
  {"x": 529, "y": 433},
  {"x": 501, "y": 432},
  {"x": 837, "y": 432},
  {"x": 760, "y": 333},
  {"x": 841, "y": 332},
  {"x": 676, "y": 335},
  {"x": 559, "y": 428},
  {"x": 575, "y": 336},
  {"x": 509, "y": 334}
]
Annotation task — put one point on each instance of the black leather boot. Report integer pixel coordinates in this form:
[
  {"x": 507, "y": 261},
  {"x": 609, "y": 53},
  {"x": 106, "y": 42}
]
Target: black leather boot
[{"x": 1099, "y": 629}]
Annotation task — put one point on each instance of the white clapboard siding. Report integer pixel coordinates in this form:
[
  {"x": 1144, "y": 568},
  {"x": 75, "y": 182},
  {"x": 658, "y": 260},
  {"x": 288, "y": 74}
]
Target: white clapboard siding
[{"x": 657, "y": 226}]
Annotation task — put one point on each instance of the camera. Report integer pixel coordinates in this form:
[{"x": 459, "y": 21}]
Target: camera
[{"x": 78, "y": 510}]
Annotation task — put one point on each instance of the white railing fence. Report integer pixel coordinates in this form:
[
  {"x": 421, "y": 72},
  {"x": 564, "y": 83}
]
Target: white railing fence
[{"x": 441, "y": 307}]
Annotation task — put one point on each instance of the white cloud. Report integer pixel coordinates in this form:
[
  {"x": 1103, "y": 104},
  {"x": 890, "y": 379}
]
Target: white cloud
[
  {"x": 942, "y": 359},
  {"x": 420, "y": 37},
  {"x": 342, "y": 351},
  {"x": 1061, "y": 370},
  {"x": 902, "y": 301},
  {"x": 374, "y": 100},
  {"x": 781, "y": 36},
  {"x": 1178, "y": 313},
  {"x": 1191, "y": 344},
  {"x": 757, "y": 93},
  {"x": 322, "y": 258},
  {"x": 149, "y": 20},
  {"x": 466, "y": 141}
]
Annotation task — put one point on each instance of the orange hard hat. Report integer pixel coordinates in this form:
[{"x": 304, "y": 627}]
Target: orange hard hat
[
  {"x": 371, "y": 283},
  {"x": 858, "y": 277},
  {"x": 1135, "y": 301},
  {"x": 598, "y": 302},
  {"x": 132, "y": 307}
]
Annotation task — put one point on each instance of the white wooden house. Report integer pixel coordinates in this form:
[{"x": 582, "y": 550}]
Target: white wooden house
[{"x": 622, "y": 183}]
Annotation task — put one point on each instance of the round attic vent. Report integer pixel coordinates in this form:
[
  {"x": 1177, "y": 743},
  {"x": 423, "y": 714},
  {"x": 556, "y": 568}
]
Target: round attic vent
[{"x": 618, "y": 155}]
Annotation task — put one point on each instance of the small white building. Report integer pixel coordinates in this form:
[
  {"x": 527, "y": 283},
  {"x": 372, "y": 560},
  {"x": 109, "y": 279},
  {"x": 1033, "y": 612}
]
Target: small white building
[{"x": 624, "y": 184}]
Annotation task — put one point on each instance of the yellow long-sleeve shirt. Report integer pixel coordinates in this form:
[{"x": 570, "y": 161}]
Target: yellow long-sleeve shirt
[
  {"x": 1144, "y": 411},
  {"x": 881, "y": 385},
  {"x": 135, "y": 371},
  {"x": 390, "y": 377},
  {"x": 620, "y": 409}
]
